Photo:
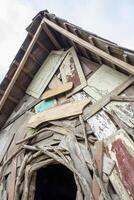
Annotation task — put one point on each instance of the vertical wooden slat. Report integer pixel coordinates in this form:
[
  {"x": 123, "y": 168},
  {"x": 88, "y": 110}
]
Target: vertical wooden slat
[
  {"x": 99, "y": 165},
  {"x": 12, "y": 179}
]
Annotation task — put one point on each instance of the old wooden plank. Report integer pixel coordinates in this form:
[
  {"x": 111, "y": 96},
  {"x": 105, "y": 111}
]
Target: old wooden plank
[
  {"x": 20, "y": 129},
  {"x": 79, "y": 162},
  {"x": 99, "y": 166},
  {"x": 121, "y": 64},
  {"x": 103, "y": 81},
  {"x": 106, "y": 99},
  {"x": 123, "y": 98},
  {"x": 56, "y": 82},
  {"x": 101, "y": 125},
  {"x": 21, "y": 65},
  {"x": 121, "y": 149},
  {"x": 108, "y": 164},
  {"x": 124, "y": 111},
  {"x": 58, "y": 112},
  {"x": 71, "y": 71},
  {"x": 12, "y": 179},
  {"x": 59, "y": 90},
  {"x": 51, "y": 36},
  {"x": 45, "y": 73}
]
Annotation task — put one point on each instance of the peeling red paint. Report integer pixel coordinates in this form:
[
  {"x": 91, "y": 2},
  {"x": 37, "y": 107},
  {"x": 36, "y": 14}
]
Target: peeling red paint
[
  {"x": 125, "y": 166},
  {"x": 74, "y": 77}
]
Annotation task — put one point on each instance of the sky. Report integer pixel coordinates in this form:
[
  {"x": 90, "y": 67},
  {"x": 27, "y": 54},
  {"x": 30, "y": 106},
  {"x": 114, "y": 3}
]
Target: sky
[{"x": 110, "y": 19}]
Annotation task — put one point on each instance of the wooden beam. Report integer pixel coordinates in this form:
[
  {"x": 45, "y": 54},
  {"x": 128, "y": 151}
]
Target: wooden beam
[
  {"x": 27, "y": 72},
  {"x": 109, "y": 52},
  {"x": 17, "y": 84},
  {"x": 59, "y": 90},
  {"x": 21, "y": 65},
  {"x": 93, "y": 109},
  {"x": 14, "y": 100},
  {"x": 121, "y": 64},
  {"x": 39, "y": 43},
  {"x": 83, "y": 50},
  {"x": 51, "y": 37},
  {"x": 32, "y": 57},
  {"x": 91, "y": 40}
]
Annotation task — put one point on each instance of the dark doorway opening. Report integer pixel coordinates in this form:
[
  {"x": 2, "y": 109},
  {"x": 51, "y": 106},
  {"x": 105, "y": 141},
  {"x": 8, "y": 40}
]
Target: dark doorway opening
[{"x": 55, "y": 182}]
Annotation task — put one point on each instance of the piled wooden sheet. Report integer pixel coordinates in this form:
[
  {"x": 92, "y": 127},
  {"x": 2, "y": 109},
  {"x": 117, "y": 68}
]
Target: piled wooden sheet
[{"x": 81, "y": 116}]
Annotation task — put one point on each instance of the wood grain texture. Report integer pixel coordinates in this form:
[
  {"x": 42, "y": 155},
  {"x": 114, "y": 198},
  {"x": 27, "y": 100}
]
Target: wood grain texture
[
  {"x": 58, "y": 112},
  {"x": 99, "y": 165},
  {"x": 12, "y": 179},
  {"x": 106, "y": 99},
  {"x": 59, "y": 90},
  {"x": 45, "y": 73},
  {"x": 121, "y": 149},
  {"x": 21, "y": 65},
  {"x": 121, "y": 64}
]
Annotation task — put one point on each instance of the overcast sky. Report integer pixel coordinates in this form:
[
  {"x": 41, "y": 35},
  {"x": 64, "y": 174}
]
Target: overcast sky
[{"x": 111, "y": 19}]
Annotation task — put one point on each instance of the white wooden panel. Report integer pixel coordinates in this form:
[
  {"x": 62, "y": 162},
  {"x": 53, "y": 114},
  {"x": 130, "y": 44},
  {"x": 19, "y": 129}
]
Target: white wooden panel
[
  {"x": 101, "y": 125},
  {"x": 124, "y": 110},
  {"x": 103, "y": 81},
  {"x": 45, "y": 73}
]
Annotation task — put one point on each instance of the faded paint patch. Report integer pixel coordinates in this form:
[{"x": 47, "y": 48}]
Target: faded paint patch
[{"x": 125, "y": 165}]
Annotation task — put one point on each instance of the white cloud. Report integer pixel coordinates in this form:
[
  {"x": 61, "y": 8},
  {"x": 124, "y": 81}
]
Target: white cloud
[{"x": 15, "y": 15}]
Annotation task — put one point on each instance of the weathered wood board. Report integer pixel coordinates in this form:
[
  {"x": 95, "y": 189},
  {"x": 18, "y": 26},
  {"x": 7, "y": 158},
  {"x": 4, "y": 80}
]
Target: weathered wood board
[
  {"x": 124, "y": 110},
  {"x": 12, "y": 179},
  {"x": 58, "y": 112},
  {"x": 121, "y": 149},
  {"x": 101, "y": 125},
  {"x": 45, "y": 73},
  {"x": 88, "y": 66},
  {"x": 103, "y": 81},
  {"x": 5, "y": 140},
  {"x": 71, "y": 71},
  {"x": 19, "y": 128},
  {"x": 59, "y": 90}
]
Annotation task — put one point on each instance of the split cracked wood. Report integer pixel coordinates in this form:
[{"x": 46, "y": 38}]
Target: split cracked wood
[{"x": 58, "y": 112}]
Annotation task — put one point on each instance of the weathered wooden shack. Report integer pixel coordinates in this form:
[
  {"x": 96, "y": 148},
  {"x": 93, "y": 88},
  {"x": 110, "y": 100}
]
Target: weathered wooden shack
[{"x": 67, "y": 116}]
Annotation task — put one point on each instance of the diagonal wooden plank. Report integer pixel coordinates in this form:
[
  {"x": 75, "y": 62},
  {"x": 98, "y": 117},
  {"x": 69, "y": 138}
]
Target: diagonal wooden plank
[
  {"x": 121, "y": 64},
  {"x": 58, "y": 112},
  {"x": 106, "y": 99},
  {"x": 21, "y": 65},
  {"x": 59, "y": 90}
]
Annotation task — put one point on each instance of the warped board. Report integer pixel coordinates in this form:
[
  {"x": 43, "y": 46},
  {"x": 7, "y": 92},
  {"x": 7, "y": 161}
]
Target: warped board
[
  {"x": 19, "y": 128},
  {"x": 103, "y": 81},
  {"x": 71, "y": 71},
  {"x": 5, "y": 140},
  {"x": 121, "y": 149},
  {"x": 45, "y": 73},
  {"x": 58, "y": 112}
]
